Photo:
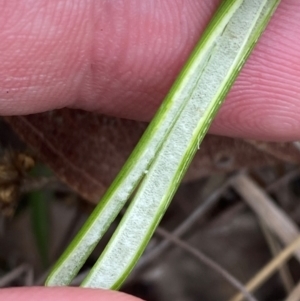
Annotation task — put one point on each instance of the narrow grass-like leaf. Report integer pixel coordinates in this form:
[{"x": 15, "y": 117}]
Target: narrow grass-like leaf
[
  {"x": 162, "y": 156},
  {"x": 134, "y": 169},
  {"x": 228, "y": 53}
]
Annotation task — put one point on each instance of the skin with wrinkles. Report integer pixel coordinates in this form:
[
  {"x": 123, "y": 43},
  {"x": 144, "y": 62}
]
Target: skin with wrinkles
[
  {"x": 107, "y": 56},
  {"x": 120, "y": 58}
]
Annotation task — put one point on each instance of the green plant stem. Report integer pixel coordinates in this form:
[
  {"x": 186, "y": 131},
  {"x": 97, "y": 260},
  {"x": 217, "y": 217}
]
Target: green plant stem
[{"x": 162, "y": 156}]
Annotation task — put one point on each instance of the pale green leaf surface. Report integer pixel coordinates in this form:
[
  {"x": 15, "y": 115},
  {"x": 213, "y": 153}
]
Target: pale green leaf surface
[{"x": 162, "y": 156}]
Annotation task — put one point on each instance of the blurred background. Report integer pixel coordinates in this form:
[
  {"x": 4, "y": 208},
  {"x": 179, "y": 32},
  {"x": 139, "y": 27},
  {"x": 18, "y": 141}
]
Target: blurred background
[{"x": 235, "y": 216}]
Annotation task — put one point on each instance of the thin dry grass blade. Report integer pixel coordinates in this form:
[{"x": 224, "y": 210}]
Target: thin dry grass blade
[
  {"x": 275, "y": 248},
  {"x": 262, "y": 204},
  {"x": 266, "y": 272}
]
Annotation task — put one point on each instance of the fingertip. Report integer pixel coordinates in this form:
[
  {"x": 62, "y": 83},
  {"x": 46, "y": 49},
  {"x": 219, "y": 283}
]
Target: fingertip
[{"x": 62, "y": 294}]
